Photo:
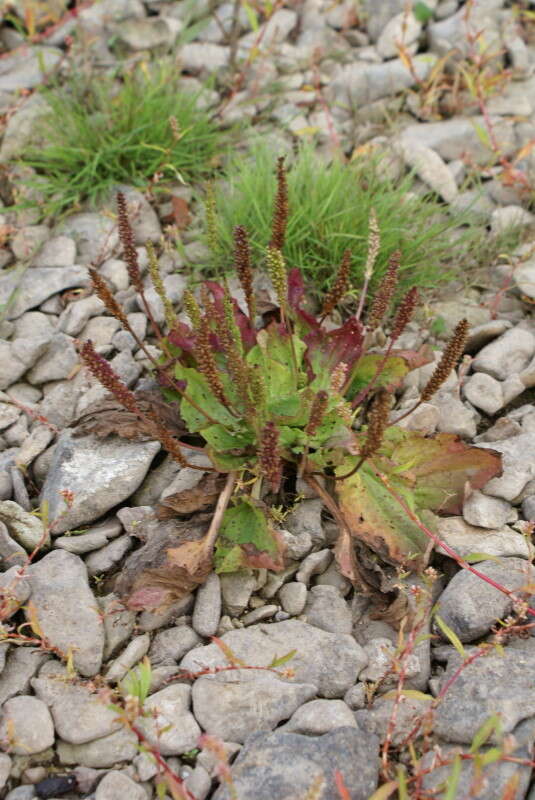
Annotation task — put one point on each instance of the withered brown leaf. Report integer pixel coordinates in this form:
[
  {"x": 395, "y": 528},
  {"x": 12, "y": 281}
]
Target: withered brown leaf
[{"x": 199, "y": 498}]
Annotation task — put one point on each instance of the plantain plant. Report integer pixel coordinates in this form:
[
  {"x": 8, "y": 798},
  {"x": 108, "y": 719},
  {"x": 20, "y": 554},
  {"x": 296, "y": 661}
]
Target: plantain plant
[{"x": 280, "y": 394}]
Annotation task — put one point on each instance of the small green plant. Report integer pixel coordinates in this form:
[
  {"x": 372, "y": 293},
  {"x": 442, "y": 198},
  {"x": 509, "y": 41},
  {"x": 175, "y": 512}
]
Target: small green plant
[
  {"x": 134, "y": 128},
  {"x": 280, "y": 396},
  {"x": 331, "y": 205}
]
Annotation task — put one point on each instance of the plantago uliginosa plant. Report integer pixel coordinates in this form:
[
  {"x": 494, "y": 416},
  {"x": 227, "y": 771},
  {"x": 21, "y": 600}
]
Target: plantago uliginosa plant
[{"x": 269, "y": 398}]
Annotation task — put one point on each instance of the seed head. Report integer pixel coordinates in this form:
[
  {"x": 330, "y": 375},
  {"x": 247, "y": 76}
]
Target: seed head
[
  {"x": 374, "y": 244},
  {"x": 269, "y": 458},
  {"x": 127, "y": 240},
  {"x": 157, "y": 282},
  {"x": 340, "y": 286},
  {"x": 242, "y": 263},
  {"x": 211, "y": 219},
  {"x": 338, "y": 377},
  {"x": 451, "y": 355},
  {"x": 377, "y": 423},
  {"x": 277, "y": 273},
  {"x": 405, "y": 312},
  {"x": 192, "y": 309},
  {"x": 103, "y": 292},
  {"x": 385, "y": 292},
  {"x": 206, "y": 362},
  {"x": 280, "y": 212},
  {"x": 317, "y": 412},
  {"x": 104, "y": 373}
]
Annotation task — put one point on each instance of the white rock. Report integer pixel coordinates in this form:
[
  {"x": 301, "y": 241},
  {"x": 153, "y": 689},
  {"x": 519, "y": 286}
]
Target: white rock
[
  {"x": 467, "y": 539},
  {"x": 27, "y": 725},
  {"x": 507, "y": 355},
  {"x": 171, "y": 727},
  {"x": 130, "y": 656},
  {"x": 430, "y": 167},
  {"x": 320, "y": 716},
  {"x": 401, "y": 30},
  {"x": 486, "y": 512},
  {"x": 484, "y": 392}
]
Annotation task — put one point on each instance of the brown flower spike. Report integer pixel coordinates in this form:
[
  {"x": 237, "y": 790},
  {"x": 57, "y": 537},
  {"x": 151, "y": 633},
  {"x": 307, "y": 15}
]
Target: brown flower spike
[
  {"x": 451, "y": 355},
  {"x": 340, "y": 286},
  {"x": 269, "y": 459},
  {"x": 385, "y": 292},
  {"x": 127, "y": 240},
  {"x": 242, "y": 263},
  {"x": 280, "y": 214}
]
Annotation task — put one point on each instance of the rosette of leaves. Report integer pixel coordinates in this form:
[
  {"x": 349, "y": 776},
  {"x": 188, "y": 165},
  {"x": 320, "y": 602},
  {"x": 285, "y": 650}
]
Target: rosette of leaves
[{"x": 289, "y": 393}]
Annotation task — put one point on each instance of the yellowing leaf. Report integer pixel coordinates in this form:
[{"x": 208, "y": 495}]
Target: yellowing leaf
[{"x": 450, "y": 635}]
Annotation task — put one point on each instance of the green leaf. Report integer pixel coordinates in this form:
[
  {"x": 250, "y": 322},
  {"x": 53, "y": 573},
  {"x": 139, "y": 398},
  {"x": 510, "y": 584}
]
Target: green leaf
[
  {"x": 246, "y": 539},
  {"x": 450, "y": 635},
  {"x": 198, "y": 389},
  {"x": 137, "y": 681},
  {"x": 453, "y": 779},
  {"x": 278, "y": 662},
  {"x": 227, "y": 462},
  {"x": 422, "y": 12},
  {"x": 292, "y": 438},
  {"x": 403, "y": 790},
  {"x": 221, "y": 439},
  {"x": 374, "y": 516},
  {"x": 393, "y": 372},
  {"x": 492, "y": 755},
  {"x": 285, "y": 407},
  {"x": 491, "y": 726},
  {"x": 251, "y": 16}
]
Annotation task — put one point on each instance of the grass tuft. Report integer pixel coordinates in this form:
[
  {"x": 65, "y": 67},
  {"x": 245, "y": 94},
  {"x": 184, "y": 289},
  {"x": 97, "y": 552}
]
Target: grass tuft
[
  {"x": 330, "y": 208},
  {"x": 130, "y": 129}
]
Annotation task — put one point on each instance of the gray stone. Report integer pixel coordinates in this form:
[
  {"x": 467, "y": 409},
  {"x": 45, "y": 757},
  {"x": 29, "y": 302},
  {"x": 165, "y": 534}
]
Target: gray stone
[
  {"x": 499, "y": 683},
  {"x": 467, "y": 539},
  {"x": 507, "y": 355},
  {"x": 376, "y": 720},
  {"x": 455, "y": 417},
  {"x": 28, "y": 241},
  {"x": 199, "y": 782},
  {"x": 332, "y": 662},
  {"x": 100, "y": 473},
  {"x": 21, "y": 665},
  {"x": 171, "y": 727},
  {"x": 104, "y": 752},
  {"x": 11, "y": 551},
  {"x": 23, "y": 128},
  {"x": 170, "y": 645},
  {"x": 327, "y": 609},
  {"x": 25, "y": 528},
  {"x": 306, "y": 519},
  {"x": 293, "y": 597},
  {"x": 197, "y": 56},
  {"x": 8, "y": 415},
  {"x": 259, "y": 614},
  {"x": 458, "y": 137},
  {"x": 492, "y": 780},
  {"x": 484, "y": 392},
  {"x": 518, "y": 462},
  {"x": 27, "y": 725},
  {"x": 116, "y": 273},
  {"x": 35, "y": 285},
  {"x": 356, "y": 697},
  {"x": 82, "y": 543},
  {"x": 26, "y": 67},
  {"x": 95, "y": 234},
  {"x": 288, "y": 765},
  {"x": 207, "y": 609},
  {"x": 79, "y": 714},
  {"x": 403, "y": 29},
  {"x": 118, "y": 623},
  {"x": 486, "y": 512},
  {"x": 236, "y": 589},
  {"x": 360, "y": 83},
  {"x": 118, "y": 786},
  {"x": 60, "y": 251},
  {"x": 149, "y": 33},
  {"x": 77, "y": 314},
  {"x": 33, "y": 445},
  {"x": 314, "y": 564},
  {"x": 130, "y": 656},
  {"x": 5, "y": 769},
  {"x": 320, "y": 716},
  {"x": 105, "y": 559},
  {"x": 429, "y": 167},
  {"x": 152, "y": 620},
  {"x": 232, "y": 705},
  {"x": 504, "y": 219},
  {"x": 174, "y": 287},
  {"x": 14, "y": 591},
  {"x": 470, "y": 606},
  {"x": 381, "y": 656},
  {"x": 67, "y": 610}
]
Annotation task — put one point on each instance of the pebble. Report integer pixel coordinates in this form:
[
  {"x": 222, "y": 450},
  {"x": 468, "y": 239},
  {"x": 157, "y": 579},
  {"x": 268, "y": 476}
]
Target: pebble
[
  {"x": 25, "y": 528},
  {"x": 107, "y": 557},
  {"x": 455, "y": 416},
  {"x": 118, "y": 786},
  {"x": 306, "y": 519},
  {"x": 79, "y": 714},
  {"x": 118, "y": 623},
  {"x": 81, "y": 543},
  {"x": 207, "y": 608},
  {"x": 100, "y": 753},
  {"x": 27, "y": 725},
  {"x": 332, "y": 662},
  {"x": 467, "y": 539},
  {"x": 170, "y": 645},
  {"x": 327, "y": 609},
  {"x": 26, "y": 67},
  {"x": 486, "y": 512},
  {"x": 5, "y": 769},
  {"x": 100, "y": 472},
  {"x": 96, "y": 235},
  {"x": 280, "y": 764},
  {"x": 518, "y": 463},
  {"x": 233, "y": 705},
  {"x": 259, "y": 614},
  {"x": 74, "y": 625},
  {"x": 376, "y": 720},
  {"x": 131, "y": 655},
  {"x": 14, "y": 590},
  {"x": 236, "y": 591},
  {"x": 470, "y": 606},
  {"x": 356, "y": 696},
  {"x": 403, "y": 29},
  {"x": 60, "y": 251},
  {"x": 22, "y": 664},
  {"x": 429, "y": 167},
  {"x": 381, "y": 656},
  {"x": 170, "y": 726},
  {"x": 314, "y": 564},
  {"x": 320, "y": 716},
  {"x": 293, "y": 597},
  {"x": 38, "y": 284},
  {"x": 507, "y": 355},
  {"x": 484, "y": 392}
]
